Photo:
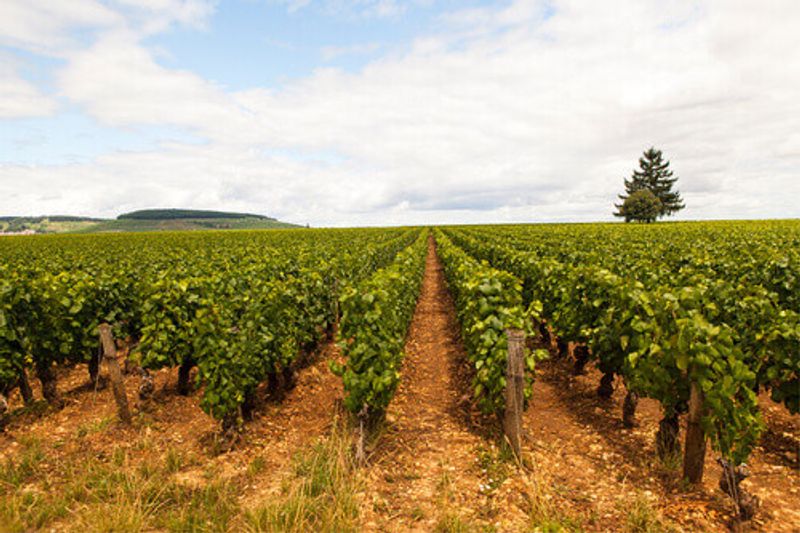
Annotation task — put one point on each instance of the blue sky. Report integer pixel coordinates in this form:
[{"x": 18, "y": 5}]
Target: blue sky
[
  {"x": 246, "y": 44},
  {"x": 251, "y": 44},
  {"x": 351, "y": 112}
]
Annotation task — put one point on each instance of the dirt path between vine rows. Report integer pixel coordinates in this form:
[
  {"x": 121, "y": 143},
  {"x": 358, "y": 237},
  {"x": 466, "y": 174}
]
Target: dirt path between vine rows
[
  {"x": 437, "y": 465},
  {"x": 602, "y": 470},
  {"x": 423, "y": 471}
]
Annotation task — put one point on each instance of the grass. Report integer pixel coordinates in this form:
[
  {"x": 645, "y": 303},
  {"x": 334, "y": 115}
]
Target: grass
[
  {"x": 15, "y": 472},
  {"x": 112, "y": 492},
  {"x": 450, "y": 522},
  {"x": 319, "y": 496},
  {"x": 642, "y": 517},
  {"x": 537, "y": 488},
  {"x": 545, "y": 515},
  {"x": 256, "y": 466},
  {"x": 496, "y": 464},
  {"x": 95, "y": 426}
]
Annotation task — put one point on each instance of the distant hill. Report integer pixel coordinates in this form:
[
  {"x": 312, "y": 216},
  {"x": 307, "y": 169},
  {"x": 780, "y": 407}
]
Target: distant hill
[
  {"x": 179, "y": 214},
  {"x": 185, "y": 224},
  {"x": 46, "y": 224},
  {"x": 145, "y": 220},
  {"x": 54, "y": 218}
]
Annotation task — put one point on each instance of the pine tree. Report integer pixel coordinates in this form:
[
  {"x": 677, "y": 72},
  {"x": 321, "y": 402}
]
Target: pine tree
[{"x": 653, "y": 175}]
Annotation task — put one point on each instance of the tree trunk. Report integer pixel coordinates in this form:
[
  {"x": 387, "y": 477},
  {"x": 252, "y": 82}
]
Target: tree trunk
[
  {"x": 25, "y": 387},
  {"x": 249, "y": 404},
  {"x": 49, "y": 386},
  {"x": 231, "y": 429},
  {"x": 562, "y": 348},
  {"x": 146, "y": 385},
  {"x": 273, "y": 384},
  {"x": 695, "y": 448},
  {"x": 581, "y": 352},
  {"x": 94, "y": 367},
  {"x": 289, "y": 378},
  {"x": 544, "y": 331},
  {"x": 629, "y": 410},
  {"x": 184, "y": 373},
  {"x": 746, "y": 504},
  {"x": 667, "y": 444},
  {"x": 606, "y": 388}
]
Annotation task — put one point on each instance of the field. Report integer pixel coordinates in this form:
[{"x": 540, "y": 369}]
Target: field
[{"x": 354, "y": 379}]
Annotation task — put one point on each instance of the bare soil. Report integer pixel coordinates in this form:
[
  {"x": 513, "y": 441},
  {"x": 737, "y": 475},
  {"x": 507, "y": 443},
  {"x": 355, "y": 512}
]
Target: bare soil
[
  {"x": 425, "y": 462},
  {"x": 170, "y": 423},
  {"x": 601, "y": 465}
]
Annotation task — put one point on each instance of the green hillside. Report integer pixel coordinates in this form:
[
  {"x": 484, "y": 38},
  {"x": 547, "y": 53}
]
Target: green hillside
[
  {"x": 185, "y": 224},
  {"x": 145, "y": 220},
  {"x": 182, "y": 214}
]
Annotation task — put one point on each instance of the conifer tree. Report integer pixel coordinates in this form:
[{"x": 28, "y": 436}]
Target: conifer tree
[{"x": 655, "y": 176}]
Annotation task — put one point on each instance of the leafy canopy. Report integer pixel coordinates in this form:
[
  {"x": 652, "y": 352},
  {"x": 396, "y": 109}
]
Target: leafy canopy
[
  {"x": 641, "y": 206},
  {"x": 654, "y": 176}
]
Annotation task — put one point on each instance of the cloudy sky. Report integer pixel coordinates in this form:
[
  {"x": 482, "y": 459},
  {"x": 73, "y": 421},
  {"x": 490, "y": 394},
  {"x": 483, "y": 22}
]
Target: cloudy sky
[{"x": 372, "y": 112}]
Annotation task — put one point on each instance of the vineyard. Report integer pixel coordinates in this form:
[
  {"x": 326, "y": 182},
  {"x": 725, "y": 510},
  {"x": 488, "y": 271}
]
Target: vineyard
[{"x": 248, "y": 359}]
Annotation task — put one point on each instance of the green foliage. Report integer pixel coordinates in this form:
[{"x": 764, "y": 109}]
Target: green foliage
[
  {"x": 641, "y": 206},
  {"x": 661, "y": 317},
  {"x": 654, "y": 176},
  {"x": 488, "y": 302},
  {"x": 240, "y": 306},
  {"x": 376, "y": 314}
]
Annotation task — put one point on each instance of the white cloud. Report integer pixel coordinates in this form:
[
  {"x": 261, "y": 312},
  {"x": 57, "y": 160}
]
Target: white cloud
[
  {"x": 534, "y": 111},
  {"x": 118, "y": 82},
  {"x": 329, "y": 53},
  {"x": 351, "y": 8},
  {"x": 19, "y": 97},
  {"x": 58, "y": 27},
  {"x": 49, "y": 26}
]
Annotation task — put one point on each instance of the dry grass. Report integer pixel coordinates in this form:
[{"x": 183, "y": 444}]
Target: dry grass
[
  {"x": 321, "y": 495},
  {"x": 115, "y": 493}
]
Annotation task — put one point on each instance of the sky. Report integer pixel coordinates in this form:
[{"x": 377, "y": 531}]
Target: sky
[{"x": 387, "y": 112}]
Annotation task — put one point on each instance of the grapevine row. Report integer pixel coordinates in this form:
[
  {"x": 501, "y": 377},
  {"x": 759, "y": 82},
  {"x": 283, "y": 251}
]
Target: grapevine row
[
  {"x": 376, "y": 314},
  {"x": 488, "y": 303},
  {"x": 241, "y": 307},
  {"x": 659, "y": 339}
]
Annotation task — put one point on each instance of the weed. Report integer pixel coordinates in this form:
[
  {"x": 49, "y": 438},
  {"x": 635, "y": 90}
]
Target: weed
[
  {"x": 26, "y": 510},
  {"x": 453, "y": 523},
  {"x": 495, "y": 465},
  {"x": 544, "y": 513},
  {"x": 320, "y": 496},
  {"x": 173, "y": 461},
  {"x": 642, "y": 517},
  {"x": 210, "y": 508},
  {"x": 417, "y": 513},
  {"x": 256, "y": 466},
  {"x": 95, "y": 426},
  {"x": 16, "y": 472}
]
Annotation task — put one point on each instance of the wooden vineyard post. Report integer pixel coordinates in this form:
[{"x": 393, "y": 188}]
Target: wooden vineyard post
[
  {"x": 695, "y": 451},
  {"x": 515, "y": 390},
  {"x": 114, "y": 372}
]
